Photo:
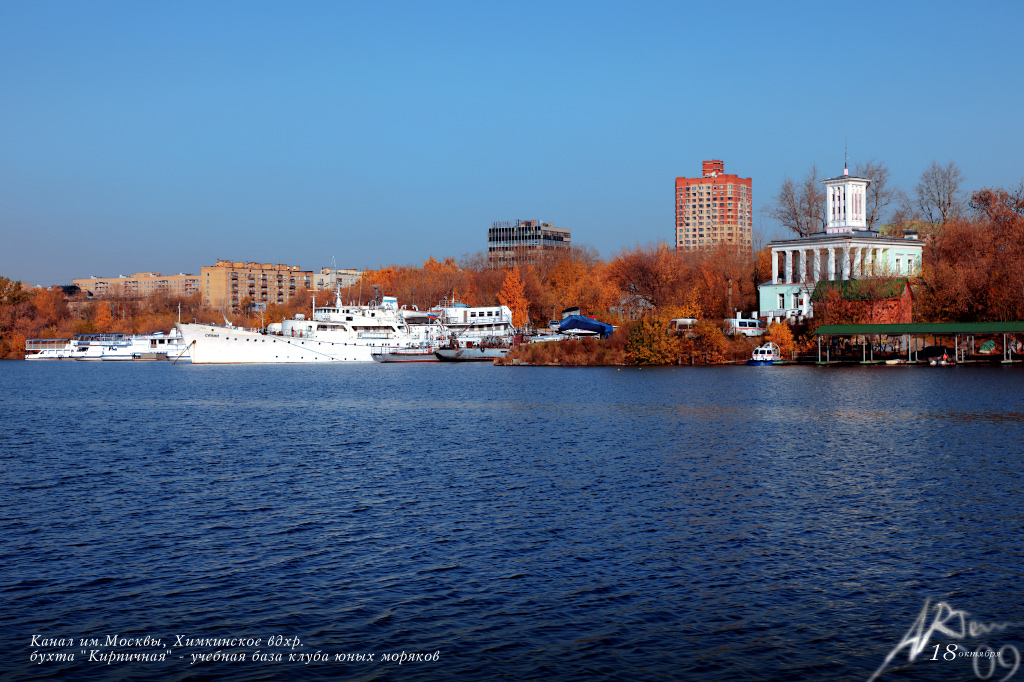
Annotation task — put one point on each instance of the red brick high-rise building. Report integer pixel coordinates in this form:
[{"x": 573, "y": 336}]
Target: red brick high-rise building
[{"x": 713, "y": 209}]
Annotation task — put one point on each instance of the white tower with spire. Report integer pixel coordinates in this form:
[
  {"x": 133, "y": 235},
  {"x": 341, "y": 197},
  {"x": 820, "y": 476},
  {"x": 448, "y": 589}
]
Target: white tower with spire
[
  {"x": 848, "y": 250},
  {"x": 846, "y": 202}
]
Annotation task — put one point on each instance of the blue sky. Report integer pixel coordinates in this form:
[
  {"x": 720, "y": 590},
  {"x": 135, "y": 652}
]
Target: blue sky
[{"x": 140, "y": 136}]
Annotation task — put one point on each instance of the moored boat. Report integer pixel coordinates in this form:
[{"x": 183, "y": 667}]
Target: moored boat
[
  {"x": 110, "y": 347},
  {"x": 473, "y": 326},
  {"x": 49, "y": 349},
  {"x": 335, "y": 333},
  {"x": 414, "y": 354},
  {"x": 767, "y": 354},
  {"x": 487, "y": 349}
]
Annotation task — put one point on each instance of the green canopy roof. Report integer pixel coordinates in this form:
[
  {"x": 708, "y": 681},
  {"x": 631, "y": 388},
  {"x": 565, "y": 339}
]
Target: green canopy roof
[{"x": 921, "y": 328}]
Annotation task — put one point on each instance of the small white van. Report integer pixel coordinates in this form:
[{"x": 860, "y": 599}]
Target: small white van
[
  {"x": 683, "y": 325},
  {"x": 744, "y": 327}
]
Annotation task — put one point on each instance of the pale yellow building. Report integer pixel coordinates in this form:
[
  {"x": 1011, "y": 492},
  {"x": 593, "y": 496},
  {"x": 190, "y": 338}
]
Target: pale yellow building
[
  {"x": 227, "y": 283},
  {"x": 330, "y": 278},
  {"x": 140, "y": 284}
]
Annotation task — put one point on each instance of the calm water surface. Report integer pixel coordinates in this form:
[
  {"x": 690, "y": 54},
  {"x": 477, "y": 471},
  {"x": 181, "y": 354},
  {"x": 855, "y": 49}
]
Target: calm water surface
[{"x": 737, "y": 523}]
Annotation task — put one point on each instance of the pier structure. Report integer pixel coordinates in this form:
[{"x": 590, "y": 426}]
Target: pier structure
[{"x": 908, "y": 343}]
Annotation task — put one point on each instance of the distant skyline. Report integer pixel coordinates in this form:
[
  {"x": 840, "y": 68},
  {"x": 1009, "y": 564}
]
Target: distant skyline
[{"x": 166, "y": 136}]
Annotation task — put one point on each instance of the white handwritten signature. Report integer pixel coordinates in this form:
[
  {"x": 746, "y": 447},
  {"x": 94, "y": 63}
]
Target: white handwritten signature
[{"x": 947, "y": 623}]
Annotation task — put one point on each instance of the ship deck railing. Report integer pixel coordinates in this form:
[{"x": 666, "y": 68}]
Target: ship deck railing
[{"x": 46, "y": 344}]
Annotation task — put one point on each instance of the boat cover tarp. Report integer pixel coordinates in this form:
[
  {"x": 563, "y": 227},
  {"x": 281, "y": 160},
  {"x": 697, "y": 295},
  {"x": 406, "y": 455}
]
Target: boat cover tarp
[{"x": 586, "y": 324}]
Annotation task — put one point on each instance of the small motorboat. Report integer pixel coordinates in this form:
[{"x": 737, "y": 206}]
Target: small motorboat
[
  {"x": 938, "y": 356},
  {"x": 768, "y": 354},
  {"x": 942, "y": 361}
]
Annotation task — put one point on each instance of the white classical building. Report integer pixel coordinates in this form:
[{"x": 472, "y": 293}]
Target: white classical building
[{"x": 847, "y": 249}]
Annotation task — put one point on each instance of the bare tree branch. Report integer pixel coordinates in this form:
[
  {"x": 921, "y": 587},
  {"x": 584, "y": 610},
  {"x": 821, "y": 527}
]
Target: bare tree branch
[
  {"x": 801, "y": 208},
  {"x": 938, "y": 192},
  {"x": 879, "y": 194}
]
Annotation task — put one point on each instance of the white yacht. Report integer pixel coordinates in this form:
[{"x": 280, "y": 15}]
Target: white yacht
[
  {"x": 158, "y": 346},
  {"x": 337, "y": 333}
]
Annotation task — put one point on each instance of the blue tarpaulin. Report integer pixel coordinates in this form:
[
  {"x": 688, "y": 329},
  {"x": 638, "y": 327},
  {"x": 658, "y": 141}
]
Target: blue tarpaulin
[{"x": 584, "y": 323}]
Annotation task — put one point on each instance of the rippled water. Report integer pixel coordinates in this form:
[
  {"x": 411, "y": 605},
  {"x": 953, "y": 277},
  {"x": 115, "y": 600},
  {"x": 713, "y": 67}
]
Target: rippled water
[{"x": 735, "y": 523}]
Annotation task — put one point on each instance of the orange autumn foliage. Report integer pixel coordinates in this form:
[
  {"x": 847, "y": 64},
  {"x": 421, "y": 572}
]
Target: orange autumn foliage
[{"x": 513, "y": 295}]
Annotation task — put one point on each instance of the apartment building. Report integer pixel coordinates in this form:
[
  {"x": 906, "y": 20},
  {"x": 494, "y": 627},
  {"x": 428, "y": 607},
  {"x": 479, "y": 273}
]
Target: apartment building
[
  {"x": 714, "y": 209},
  {"x": 227, "y": 283},
  {"x": 140, "y": 284},
  {"x": 331, "y": 278}
]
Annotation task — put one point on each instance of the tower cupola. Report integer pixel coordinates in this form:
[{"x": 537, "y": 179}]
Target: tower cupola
[{"x": 845, "y": 203}]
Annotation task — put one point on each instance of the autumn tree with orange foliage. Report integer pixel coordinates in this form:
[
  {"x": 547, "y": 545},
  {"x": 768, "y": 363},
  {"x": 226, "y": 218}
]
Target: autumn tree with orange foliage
[
  {"x": 654, "y": 277},
  {"x": 553, "y": 281},
  {"x": 561, "y": 279},
  {"x": 649, "y": 277},
  {"x": 16, "y": 317},
  {"x": 781, "y": 334},
  {"x": 513, "y": 295},
  {"x": 427, "y": 286},
  {"x": 44, "y": 313},
  {"x": 721, "y": 280},
  {"x": 974, "y": 269}
]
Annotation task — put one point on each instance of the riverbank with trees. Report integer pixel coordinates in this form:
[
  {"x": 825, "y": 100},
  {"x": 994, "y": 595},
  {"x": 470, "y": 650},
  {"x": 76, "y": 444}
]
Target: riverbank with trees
[{"x": 972, "y": 271}]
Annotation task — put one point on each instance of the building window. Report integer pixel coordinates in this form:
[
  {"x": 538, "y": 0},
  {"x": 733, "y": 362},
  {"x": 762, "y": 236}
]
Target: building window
[{"x": 782, "y": 301}]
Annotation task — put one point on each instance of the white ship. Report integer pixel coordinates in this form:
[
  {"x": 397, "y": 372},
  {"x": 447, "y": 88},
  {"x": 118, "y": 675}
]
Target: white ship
[
  {"x": 487, "y": 350},
  {"x": 479, "y": 333},
  {"x": 472, "y": 327},
  {"x": 436, "y": 337},
  {"x": 159, "y": 346},
  {"x": 335, "y": 333}
]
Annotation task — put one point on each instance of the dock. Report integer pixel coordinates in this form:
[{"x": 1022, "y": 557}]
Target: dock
[{"x": 909, "y": 342}]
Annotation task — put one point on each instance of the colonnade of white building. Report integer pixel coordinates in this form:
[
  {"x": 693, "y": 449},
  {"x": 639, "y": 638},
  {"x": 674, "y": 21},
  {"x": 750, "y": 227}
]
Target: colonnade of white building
[{"x": 840, "y": 262}]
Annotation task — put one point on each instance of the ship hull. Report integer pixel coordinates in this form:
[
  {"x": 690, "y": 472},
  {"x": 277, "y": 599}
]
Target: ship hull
[
  {"x": 476, "y": 354},
  {"x": 212, "y": 344}
]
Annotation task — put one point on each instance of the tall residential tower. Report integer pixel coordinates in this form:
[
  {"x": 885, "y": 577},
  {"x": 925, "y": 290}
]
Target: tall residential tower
[{"x": 713, "y": 209}]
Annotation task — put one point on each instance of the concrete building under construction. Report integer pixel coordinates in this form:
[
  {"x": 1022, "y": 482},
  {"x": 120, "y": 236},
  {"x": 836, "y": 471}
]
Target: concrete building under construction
[{"x": 520, "y": 241}]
